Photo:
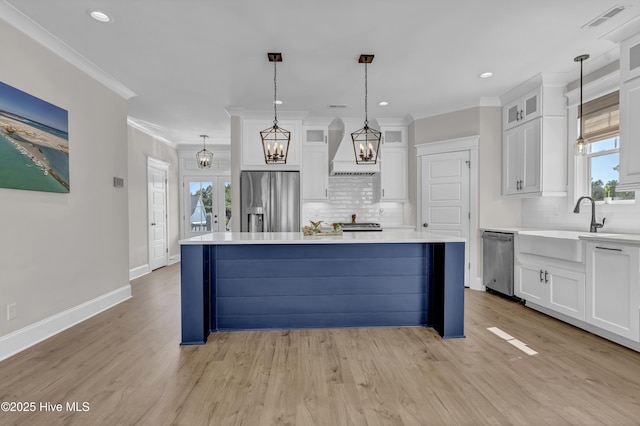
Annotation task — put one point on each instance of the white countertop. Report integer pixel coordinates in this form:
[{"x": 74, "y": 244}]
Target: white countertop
[
  {"x": 630, "y": 239},
  {"x": 399, "y": 236}
]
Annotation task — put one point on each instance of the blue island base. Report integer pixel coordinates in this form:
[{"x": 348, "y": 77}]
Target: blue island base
[{"x": 291, "y": 286}]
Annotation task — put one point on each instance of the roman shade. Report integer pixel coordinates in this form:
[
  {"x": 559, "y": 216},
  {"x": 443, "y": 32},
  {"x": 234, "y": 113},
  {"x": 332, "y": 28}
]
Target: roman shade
[{"x": 601, "y": 117}]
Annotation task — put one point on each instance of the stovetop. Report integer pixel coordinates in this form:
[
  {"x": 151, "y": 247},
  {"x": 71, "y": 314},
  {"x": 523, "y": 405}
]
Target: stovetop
[{"x": 361, "y": 226}]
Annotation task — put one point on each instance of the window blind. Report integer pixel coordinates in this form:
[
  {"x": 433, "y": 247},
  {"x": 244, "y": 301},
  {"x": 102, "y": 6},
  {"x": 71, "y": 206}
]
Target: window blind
[{"x": 601, "y": 117}]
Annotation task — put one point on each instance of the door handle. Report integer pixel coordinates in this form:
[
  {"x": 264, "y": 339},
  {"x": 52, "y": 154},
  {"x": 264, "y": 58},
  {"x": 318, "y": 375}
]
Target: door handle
[
  {"x": 546, "y": 276},
  {"x": 425, "y": 225},
  {"x": 153, "y": 224},
  {"x": 541, "y": 271}
]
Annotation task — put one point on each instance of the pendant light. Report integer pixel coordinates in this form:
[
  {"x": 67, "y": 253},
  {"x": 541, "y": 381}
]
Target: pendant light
[
  {"x": 275, "y": 140},
  {"x": 366, "y": 141},
  {"x": 580, "y": 146},
  {"x": 204, "y": 158}
]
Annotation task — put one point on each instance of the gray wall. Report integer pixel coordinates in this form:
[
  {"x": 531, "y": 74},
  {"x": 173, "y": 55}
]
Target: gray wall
[
  {"x": 61, "y": 250},
  {"x": 140, "y": 147},
  {"x": 487, "y": 123}
]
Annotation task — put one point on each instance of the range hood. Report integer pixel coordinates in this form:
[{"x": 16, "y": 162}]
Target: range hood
[{"x": 344, "y": 161}]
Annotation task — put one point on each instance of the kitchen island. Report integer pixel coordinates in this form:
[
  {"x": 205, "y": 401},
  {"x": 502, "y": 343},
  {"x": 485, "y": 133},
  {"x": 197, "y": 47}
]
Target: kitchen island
[{"x": 284, "y": 280}]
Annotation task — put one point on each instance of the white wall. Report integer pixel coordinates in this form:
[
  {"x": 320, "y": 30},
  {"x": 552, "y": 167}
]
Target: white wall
[
  {"x": 61, "y": 250},
  {"x": 140, "y": 147}
]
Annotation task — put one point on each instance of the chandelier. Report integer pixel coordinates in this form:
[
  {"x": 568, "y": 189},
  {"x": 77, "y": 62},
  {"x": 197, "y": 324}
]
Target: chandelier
[
  {"x": 275, "y": 139},
  {"x": 366, "y": 141},
  {"x": 204, "y": 158},
  {"x": 580, "y": 145}
]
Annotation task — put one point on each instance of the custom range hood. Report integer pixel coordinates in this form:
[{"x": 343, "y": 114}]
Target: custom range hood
[{"x": 343, "y": 162}]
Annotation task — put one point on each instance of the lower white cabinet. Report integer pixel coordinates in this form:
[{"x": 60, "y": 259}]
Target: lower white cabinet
[
  {"x": 613, "y": 288},
  {"x": 553, "y": 287}
]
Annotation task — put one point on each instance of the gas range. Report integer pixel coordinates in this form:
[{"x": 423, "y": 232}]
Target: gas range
[{"x": 361, "y": 227}]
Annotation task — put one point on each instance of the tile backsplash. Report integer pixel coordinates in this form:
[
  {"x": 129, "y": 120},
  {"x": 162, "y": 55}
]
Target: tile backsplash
[{"x": 349, "y": 195}]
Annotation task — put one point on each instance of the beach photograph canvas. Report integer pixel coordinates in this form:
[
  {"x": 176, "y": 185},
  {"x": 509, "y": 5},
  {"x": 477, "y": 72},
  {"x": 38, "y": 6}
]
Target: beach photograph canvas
[{"x": 34, "y": 142}]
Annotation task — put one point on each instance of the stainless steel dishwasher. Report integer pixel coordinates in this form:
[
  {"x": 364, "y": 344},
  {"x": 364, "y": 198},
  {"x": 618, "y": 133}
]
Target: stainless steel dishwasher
[{"x": 497, "y": 262}]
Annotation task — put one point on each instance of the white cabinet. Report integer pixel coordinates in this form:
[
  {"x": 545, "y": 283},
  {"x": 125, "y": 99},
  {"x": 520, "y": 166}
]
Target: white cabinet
[
  {"x": 534, "y": 142},
  {"x": 393, "y": 136},
  {"x": 521, "y": 110},
  {"x": 552, "y": 286},
  {"x": 629, "y": 136},
  {"x": 315, "y": 173},
  {"x": 252, "y": 151},
  {"x": 521, "y": 152},
  {"x": 613, "y": 288},
  {"x": 315, "y": 135},
  {"x": 630, "y": 58},
  {"x": 391, "y": 182}
]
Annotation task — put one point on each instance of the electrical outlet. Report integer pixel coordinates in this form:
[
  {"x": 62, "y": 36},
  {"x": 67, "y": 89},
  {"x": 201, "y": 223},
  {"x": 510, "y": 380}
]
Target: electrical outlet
[{"x": 11, "y": 312}]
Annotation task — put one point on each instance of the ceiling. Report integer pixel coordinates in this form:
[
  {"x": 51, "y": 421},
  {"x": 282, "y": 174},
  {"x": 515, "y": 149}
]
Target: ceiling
[{"x": 190, "y": 62}]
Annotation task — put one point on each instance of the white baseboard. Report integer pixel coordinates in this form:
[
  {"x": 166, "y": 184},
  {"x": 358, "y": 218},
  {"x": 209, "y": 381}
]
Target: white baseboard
[
  {"x": 476, "y": 284},
  {"x": 138, "y": 272},
  {"x": 28, "y": 336},
  {"x": 174, "y": 259}
]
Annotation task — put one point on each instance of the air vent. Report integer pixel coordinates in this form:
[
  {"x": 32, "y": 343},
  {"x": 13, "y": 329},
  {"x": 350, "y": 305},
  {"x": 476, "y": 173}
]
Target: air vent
[
  {"x": 599, "y": 20},
  {"x": 336, "y": 106}
]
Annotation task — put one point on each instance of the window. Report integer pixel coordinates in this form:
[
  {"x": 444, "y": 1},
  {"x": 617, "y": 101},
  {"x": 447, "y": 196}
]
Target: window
[{"x": 601, "y": 128}]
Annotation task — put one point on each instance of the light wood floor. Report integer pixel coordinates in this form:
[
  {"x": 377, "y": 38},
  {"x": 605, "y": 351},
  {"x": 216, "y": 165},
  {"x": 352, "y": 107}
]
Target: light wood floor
[{"x": 128, "y": 365}]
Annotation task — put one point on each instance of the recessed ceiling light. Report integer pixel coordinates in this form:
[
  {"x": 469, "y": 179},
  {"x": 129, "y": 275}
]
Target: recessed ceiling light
[
  {"x": 486, "y": 75},
  {"x": 277, "y": 102},
  {"x": 383, "y": 103},
  {"x": 100, "y": 16}
]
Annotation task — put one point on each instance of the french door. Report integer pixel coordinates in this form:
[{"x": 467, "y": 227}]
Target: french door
[{"x": 206, "y": 205}]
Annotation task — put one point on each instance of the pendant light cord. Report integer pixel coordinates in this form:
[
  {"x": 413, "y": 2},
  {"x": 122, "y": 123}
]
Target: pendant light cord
[
  {"x": 581, "y": 118},
  {"x": 275, "y": 91},
  {"x": 366, "y": 118}
]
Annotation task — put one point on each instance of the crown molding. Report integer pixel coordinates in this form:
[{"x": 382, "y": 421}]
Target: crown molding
[{"x": 23, "y": 23}]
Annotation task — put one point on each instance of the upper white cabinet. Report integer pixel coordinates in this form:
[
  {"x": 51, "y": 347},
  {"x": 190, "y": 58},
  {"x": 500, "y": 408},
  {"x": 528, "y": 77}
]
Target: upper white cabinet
[
  {"x": 630, "y": 58},
  {"x": 629, "y": 112},
  {"x": 521, "y": 149},
  {"x": 391, "y": 182},
  {"x": 613, "y": 289},
  {"x": 521, "y": 110},
  {"x": 315, "y": 135},
  {"x": 534, "y": 142},
  {"x": 252, "y": 152},
  {"x": 394, "y": 135}
]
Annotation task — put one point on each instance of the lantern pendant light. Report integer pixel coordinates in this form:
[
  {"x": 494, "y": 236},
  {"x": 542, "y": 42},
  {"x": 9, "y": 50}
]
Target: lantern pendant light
[
  {"x": 366, "y": 141},
  {"x": 580, "y": 146},
  {"x": 204, "y": 158},
  {"x": 275, "y": 139}
]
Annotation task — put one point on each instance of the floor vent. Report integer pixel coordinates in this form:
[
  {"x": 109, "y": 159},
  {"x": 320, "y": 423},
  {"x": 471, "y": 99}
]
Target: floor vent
[{"x": 604, "y": 17}]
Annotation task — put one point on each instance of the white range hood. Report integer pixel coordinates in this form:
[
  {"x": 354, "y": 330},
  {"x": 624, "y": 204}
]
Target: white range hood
[{"x": 344, "y": 160}]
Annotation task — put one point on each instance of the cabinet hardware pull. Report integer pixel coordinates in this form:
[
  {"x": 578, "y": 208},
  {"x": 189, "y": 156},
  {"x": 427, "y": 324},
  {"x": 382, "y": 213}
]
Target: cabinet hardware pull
[
  {"x": 541, "y": 275},
  {"x": 546, "y": 276},
  {"x": 608, "y": 248}
]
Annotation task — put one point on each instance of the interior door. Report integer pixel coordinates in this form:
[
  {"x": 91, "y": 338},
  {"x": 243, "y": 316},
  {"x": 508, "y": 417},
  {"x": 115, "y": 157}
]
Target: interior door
[
  {"x": 445, "y": 196},
  {"x": 157, "y": 194}
]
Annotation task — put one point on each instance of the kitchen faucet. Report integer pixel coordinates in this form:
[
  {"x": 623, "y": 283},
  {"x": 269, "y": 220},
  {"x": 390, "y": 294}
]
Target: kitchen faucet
[{"x": 594, "y": 225}]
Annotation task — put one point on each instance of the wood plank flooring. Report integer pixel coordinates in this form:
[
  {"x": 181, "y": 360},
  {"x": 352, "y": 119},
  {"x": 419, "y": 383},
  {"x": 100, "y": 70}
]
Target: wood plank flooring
[{"x": 127, "y": 364}]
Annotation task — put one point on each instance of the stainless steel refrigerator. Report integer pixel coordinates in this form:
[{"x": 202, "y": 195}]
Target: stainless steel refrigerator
[{"x": 270, "y": 201}]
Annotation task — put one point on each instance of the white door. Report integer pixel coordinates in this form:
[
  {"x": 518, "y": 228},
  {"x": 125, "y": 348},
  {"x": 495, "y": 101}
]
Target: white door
[
  {"x": 157, "y": 193},
  {"x": 445, "y": 196}
]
